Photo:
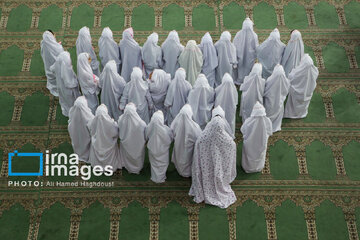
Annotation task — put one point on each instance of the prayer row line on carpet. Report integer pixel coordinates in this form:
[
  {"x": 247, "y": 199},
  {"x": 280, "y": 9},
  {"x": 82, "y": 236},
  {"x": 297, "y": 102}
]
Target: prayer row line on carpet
[{"x": 170, "y": 96}]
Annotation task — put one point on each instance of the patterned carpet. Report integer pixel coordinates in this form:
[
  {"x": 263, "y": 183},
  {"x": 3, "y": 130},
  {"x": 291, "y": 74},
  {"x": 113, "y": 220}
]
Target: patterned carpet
[{"x": 309, "y": 188}]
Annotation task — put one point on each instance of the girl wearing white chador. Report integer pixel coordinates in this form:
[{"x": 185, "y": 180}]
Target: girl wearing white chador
[
  {"x": 276, "y": 90},
  {"x": 151, "y": 54},
  {"x": 293, "y": 53},
  {"x": 226, "y": 96},
  {"x": 158, "y": 87},
  {"x": 177, "y": 94},
  {"x": 191, "y": 60},
  {"x": 256, "y": 131},
  {"x": 132, "y": 139},
  {"x": 214, "y": 165},
  {"x": 112, "y": 85},
  {"x": 50, "y": 49},
  {"x": 83, "y": 44},
  {"x": 270, "y": 52},
  {"x": 252, "y": 91},
  {"x": 104, "y": 135},
  {"x": 201, "y": 99},
  {"x": 137, "y": 92},
  {"x": 159, "y": 137},
  {"x": 66, "y": 82},
  {"x": 88, "y": 81},
  {"x": 108, "y": 48},
  {"x": 246, "y": 42},
  {"x": 171, "y": 50},
  {"x": 79, "y": 116},
  {"x": 210, "y": 60},
  {"x": 226, "y": 53},
  {"x": 130, "y": 54},
  {"x": 186, "y": 131},
  {"x": 302, "y": 85}
]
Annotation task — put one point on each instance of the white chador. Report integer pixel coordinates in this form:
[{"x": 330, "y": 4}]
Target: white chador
[
  {"x": 226, "y": 53},
  {"x": 130, "y": 54},
  {"x": 66, "y": 82},
  {"x": 186, "y": 131},
  {"x": 108, "y": 48},
  {"x": 270, "y": 52},
  {"x": 137, "y": 92},
  {"x": 177, "y": 94},
  {"x": 158, "y": 87},
  {"x": 226, "y": 96},
  {"x": 171, "y": 50},
  {"x": 132, "y": 139},
  {"x": 245, "y": 41},
  {"x": 201, "y": 99},
  {"x": 151, "y": 54},
  {"x": 293, "y": 52},
  {"x": 210, "y": 60},
  {"x": 302, "y": 85},
  {"x": 104, "y": 135},
  {"x": 256, "y": 131},
  {"x": 214, "y": 165},
  {"x": 50, "y": 49},
  {"x": 191, "y": 60},
  {"x": 159, "y": 137},
  {"x": 276, "y": 90},
  {"x": 112, "y": 85},
  {"x": 79, "y": 116},
  {"x": 83, "y": 44},
  {"x": 252, "y": 91},
  {"x": 88, "y": 81}
]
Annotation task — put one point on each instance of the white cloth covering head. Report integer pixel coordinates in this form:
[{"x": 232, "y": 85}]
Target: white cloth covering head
[
  {"x": 66, "y": 82},
  {"x": 159, "y": 138},
  {"x": 293, "y": 52},
  {"x": 132, "y": 139},
  {"x": 108, "y": 49},
  {"x": 252, "y": 91},
  {"x": 226, "y": 96},
  {"x": 177, "y": 94},
  {"x": 112, "y": 85},
  {"x": 191, "y": 60},
  {"x": 130, "y": 54},
  {"x": 226, "y": 52},
  {"x": 79, "y": 116},
  {"x": 270, "y": 52},
  {"x": 50, "y": 49},
  {"x": 137, "y": 91},
  {"x": 85, "y": 74},
  {"x": 201, "y": 100},
  {"x": 214, "y": 165},
  {"x": 302, "y": 85},
  {"x": 245, "y": 41},
  {"x": 151, "y": 54},
  {"x": 276, "y": 90},
  {"x": 158, "y": 87},
  {"x": 83, "y": 44},
  {"x": 210, "y": 60},
  {"x": 104, "y": 149},
  {"x": 256, "y": 130},
  {"x": 171, "y": 50},
  {"x": 186, "y": 131}
]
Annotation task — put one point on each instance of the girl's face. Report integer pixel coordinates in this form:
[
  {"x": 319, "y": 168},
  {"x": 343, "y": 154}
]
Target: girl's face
[{"x": 89, "y": 59}]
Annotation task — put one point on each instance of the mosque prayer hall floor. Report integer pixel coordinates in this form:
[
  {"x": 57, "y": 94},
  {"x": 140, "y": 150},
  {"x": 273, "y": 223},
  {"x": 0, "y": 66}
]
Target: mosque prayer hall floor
[{"x": 309, "y": 188}]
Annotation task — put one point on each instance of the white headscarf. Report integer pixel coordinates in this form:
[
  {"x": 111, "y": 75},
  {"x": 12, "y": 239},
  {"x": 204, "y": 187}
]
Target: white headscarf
[
  {"x": 108, "y": 49},
  {"x": 128, "y": 37},
  {"x": 231, "y": 50},
  {"x": 173, "y": 36},
  {"x": 151, "y": 52},
  {"x": 83, "y": 44},
  {"x": 210, "y": 61}
]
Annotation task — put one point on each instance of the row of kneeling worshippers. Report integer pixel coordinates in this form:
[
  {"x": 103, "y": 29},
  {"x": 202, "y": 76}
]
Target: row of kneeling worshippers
[{"x": 213, "y": 60}]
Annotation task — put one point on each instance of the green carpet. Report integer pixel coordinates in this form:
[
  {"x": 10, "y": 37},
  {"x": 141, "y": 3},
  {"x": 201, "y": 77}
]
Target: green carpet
[{"x": 309, "y": 188}]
